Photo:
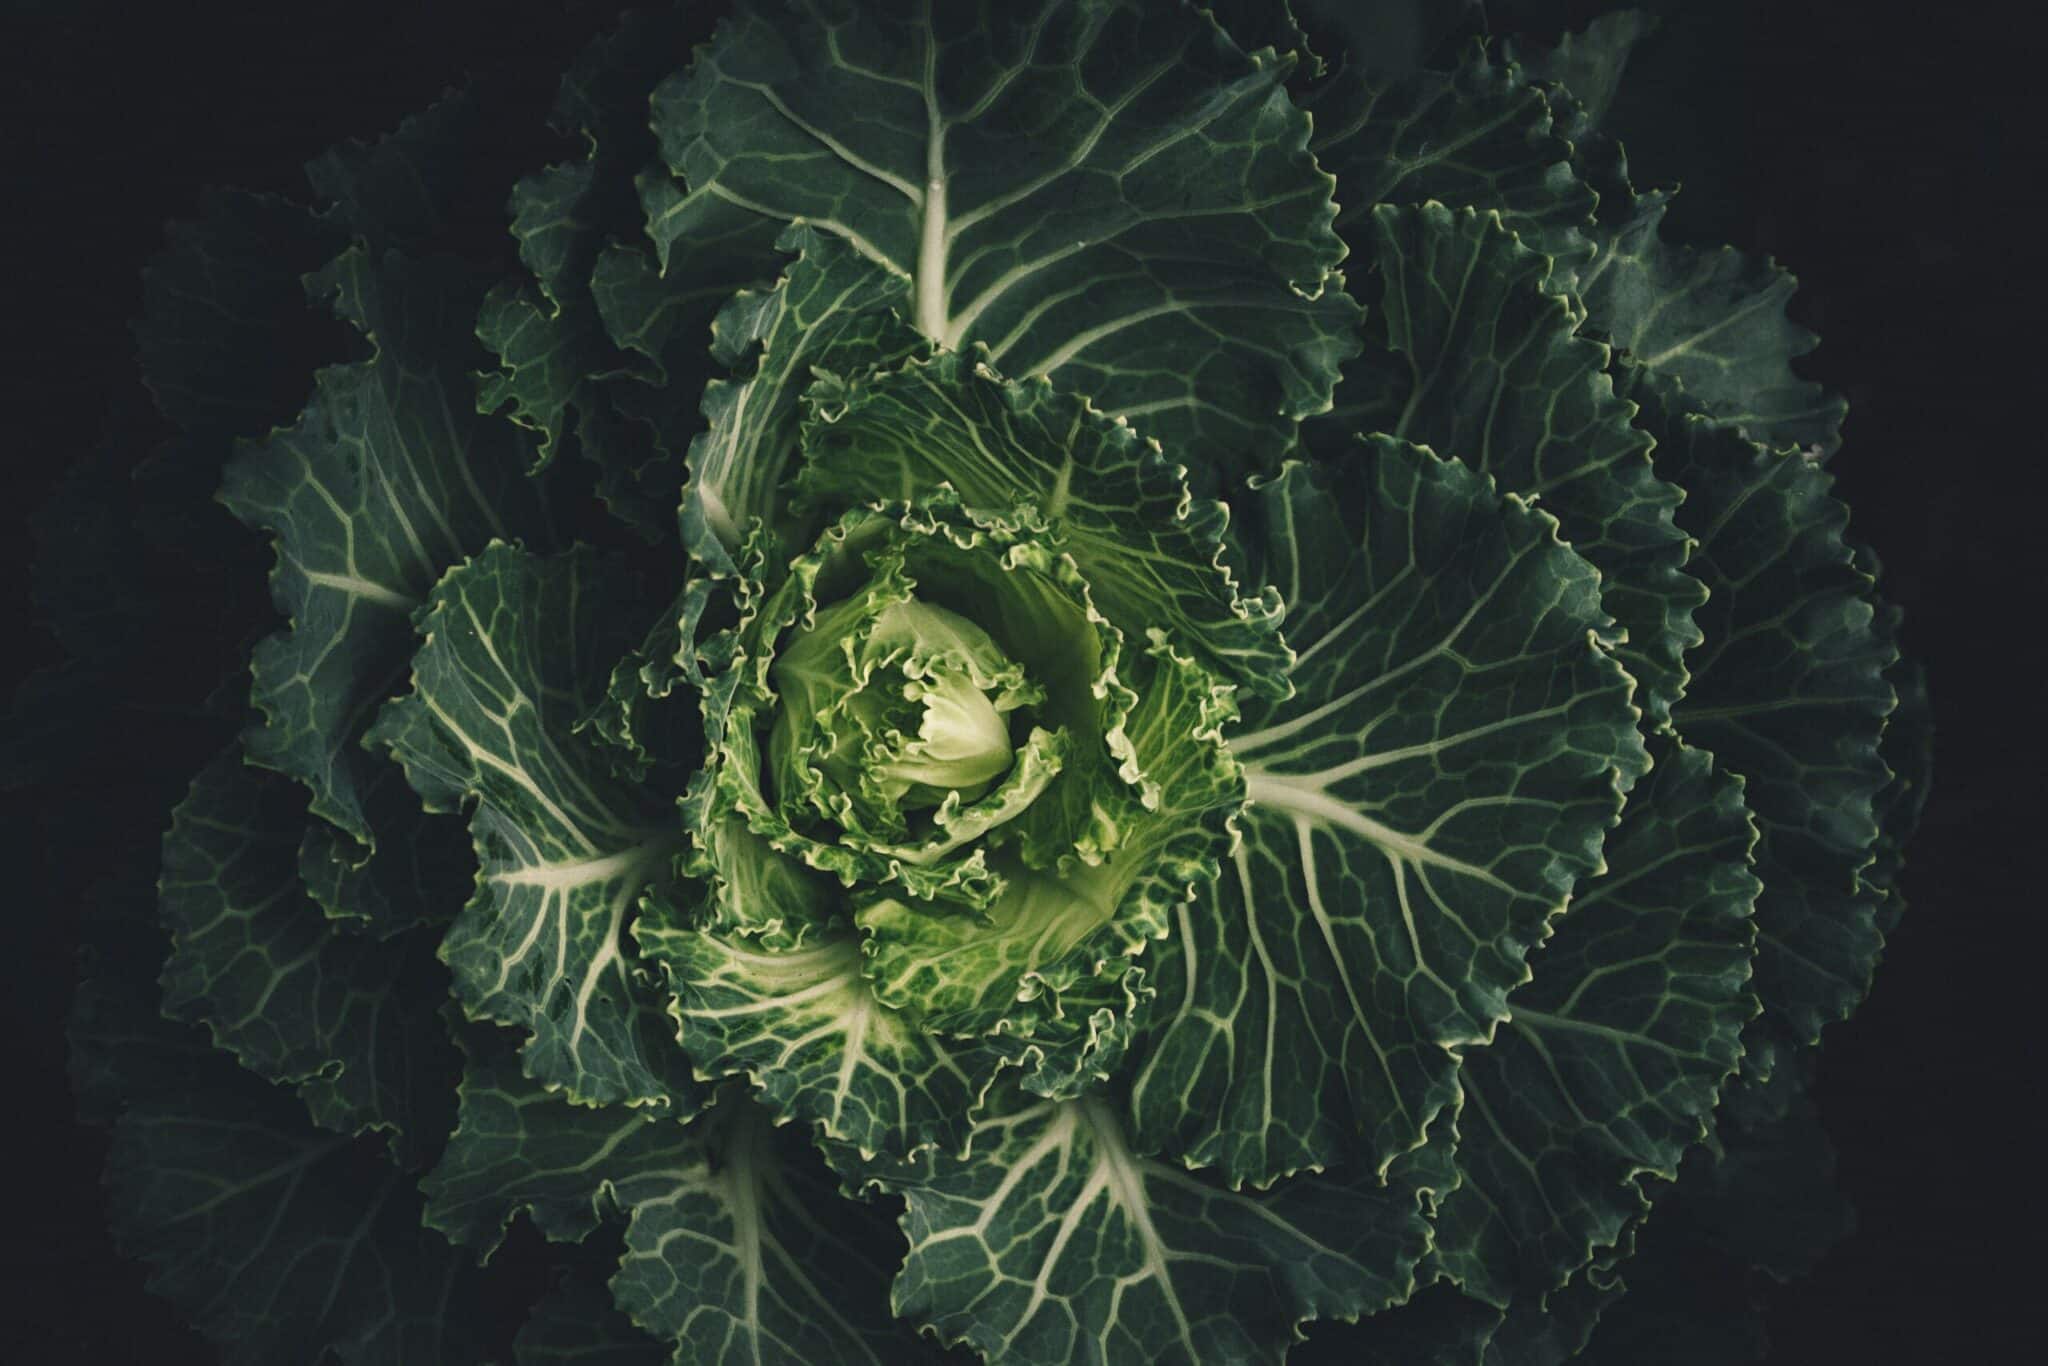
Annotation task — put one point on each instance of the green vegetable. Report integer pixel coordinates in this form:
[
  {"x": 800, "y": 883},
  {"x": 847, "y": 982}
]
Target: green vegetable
[{"x": 1214, "y": 690}]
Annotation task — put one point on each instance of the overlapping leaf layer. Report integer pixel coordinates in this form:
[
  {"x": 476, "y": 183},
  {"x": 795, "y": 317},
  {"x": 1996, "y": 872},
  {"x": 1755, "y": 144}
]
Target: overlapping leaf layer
[{"x": 1180, "y": 687}]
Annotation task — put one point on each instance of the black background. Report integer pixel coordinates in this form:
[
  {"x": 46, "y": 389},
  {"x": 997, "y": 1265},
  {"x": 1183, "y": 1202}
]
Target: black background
[{"x": 1891, "y": 164}]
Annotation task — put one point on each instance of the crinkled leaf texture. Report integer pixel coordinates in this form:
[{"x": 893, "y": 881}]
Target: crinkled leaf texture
[
  {"x": 1026, "y": 170},
  {"x": 738, "y": 1245},
  {"x": 346, "y": 1018},
  {"x": 1055, "y": 1242},
  {"x": 510, "y": 660},
  {"x": 1456, "y": 746},
  {"x": 1074, "y": 682}
]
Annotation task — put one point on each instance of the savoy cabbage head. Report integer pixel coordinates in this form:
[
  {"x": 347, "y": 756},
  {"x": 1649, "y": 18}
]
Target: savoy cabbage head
[{"x": 1071, "y": 682}]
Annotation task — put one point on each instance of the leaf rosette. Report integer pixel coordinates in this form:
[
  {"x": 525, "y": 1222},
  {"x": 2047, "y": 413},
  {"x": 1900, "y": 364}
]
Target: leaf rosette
[
  {"x": 936, "y": 754},
  {"x": 1104, "y": 790}
]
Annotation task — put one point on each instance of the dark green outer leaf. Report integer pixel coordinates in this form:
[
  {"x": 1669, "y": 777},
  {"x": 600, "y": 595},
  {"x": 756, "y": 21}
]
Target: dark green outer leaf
[
  {"x": 417, "y": 875},
  {"x": 1613, "y": 1057},
  {"x": 1765, "y": 1193},
  {"x": 1485, "y": 136},
  {"x": 1478, "y": 137},
  {"x": 1471, "y": 356},
  {"x": 1441, "y": 1326},
  {"x": 1390, "y": 39},
  {"x": 385, "y": 480},
  {"x": 1713, "y": 321},
  {"x": 1761, "y": 1195},
  {"x": 652, "y": 735},
  {"x": 603, "y": 94},
  {"x": 421, "y": 188},
  {"x": 548, "y": 339},
  {"x": 1457, "y": 745},
  {"x": 1907, "y": 748},
  {"x": 1589, "y": 63},
  {"x": 803, "y": 1023},
  {"x": 740, "y": 1246},
  {"x": 602, "y": 349},
  {"x": 754, "y": 1256},
  {"x": 831, "y": 312},
  {"x": 1642, "y": 987},
  {"x": 1054, "y": 1243},
  {"x": 1790, "y": 692},
  {"x": 521, "y": 1148},
  {"x": 661, "y": 309},
  {"x": 351, "y": 1022},
  {"x": 1256, "y": 24},
  {"x": 1153, "y": 230},
  {"x": 517, "y": 649},
  {"x": 1556, "y": 1328},
  {"x": 279, "y": 1240}
]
